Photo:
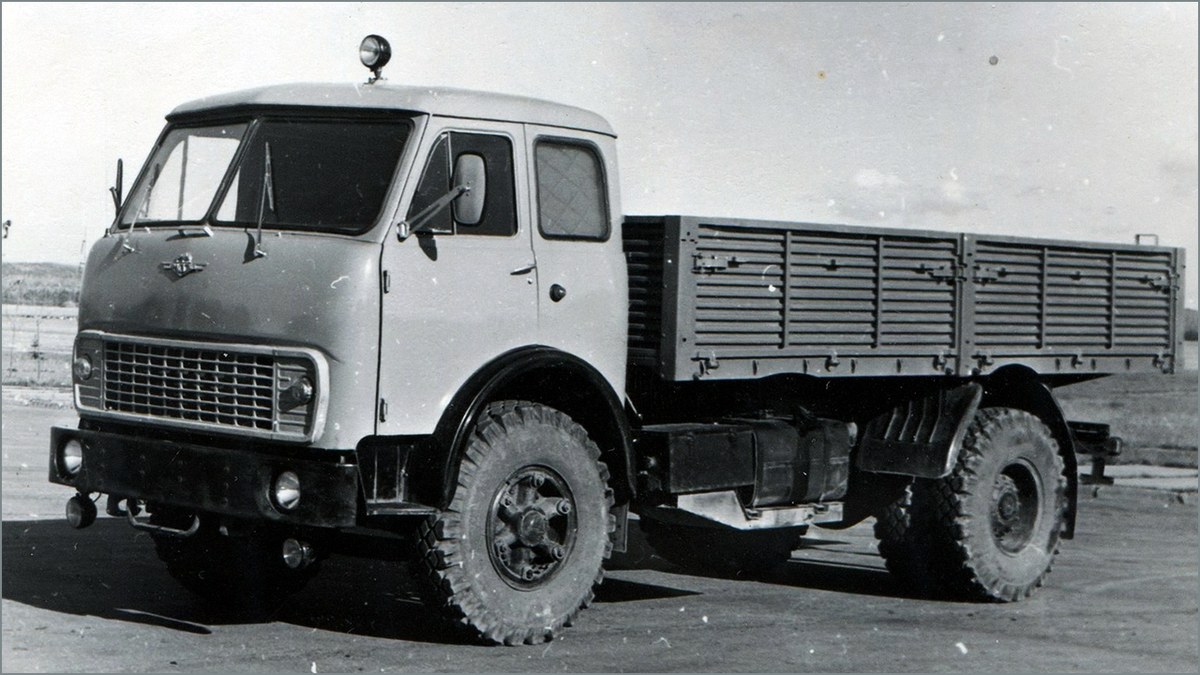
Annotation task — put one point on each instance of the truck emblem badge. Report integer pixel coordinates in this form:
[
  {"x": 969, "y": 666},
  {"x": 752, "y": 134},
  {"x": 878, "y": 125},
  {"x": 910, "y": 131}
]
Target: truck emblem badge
[{"x": 183, "y": 265}]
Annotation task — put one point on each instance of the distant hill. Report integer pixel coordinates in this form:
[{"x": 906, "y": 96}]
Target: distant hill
[{"x": 53, "y": 284}]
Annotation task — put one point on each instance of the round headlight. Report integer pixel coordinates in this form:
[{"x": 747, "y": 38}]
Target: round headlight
[
  {"x": 71, "y": 458},
  {"x": 83, "y": 367},
  {"x": 287, "y": 490},
  {"x": 374, "y": 52},
  {"x": 304, "y": 390}
]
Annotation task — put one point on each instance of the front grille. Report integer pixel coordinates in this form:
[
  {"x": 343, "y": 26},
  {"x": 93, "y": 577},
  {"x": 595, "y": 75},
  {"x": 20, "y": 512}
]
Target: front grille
[{"x": 207, "y": 386}]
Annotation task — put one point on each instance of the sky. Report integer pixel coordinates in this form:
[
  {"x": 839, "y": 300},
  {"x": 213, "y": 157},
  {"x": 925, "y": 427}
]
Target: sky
[{"x": 1068, "y": 121}]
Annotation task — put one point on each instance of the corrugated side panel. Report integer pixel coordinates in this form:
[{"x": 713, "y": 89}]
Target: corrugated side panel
[
  {"x": 769, "y": 294},
  {"x": 1062, "y": 299},
  {"x": 739, "y": 305},
  {"x": 733, "y": 299},
  {"x": 644, "y": 254}
]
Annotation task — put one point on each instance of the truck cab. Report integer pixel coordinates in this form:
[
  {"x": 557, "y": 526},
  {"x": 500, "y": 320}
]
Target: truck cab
[{"x": 298, "y": 306}]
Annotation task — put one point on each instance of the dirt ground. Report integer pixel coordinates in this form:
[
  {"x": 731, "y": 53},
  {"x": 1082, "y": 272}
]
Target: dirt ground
[{"x": 1122, "y": 598}]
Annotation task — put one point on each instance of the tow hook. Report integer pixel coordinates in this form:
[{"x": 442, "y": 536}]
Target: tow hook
[
  {"x": 81, "y": 511},
  {"x": 131, "y": 511},
  {"x": 113, "y": 506}
]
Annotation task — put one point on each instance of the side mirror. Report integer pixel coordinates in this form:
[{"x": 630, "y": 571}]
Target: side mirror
[
  {"x": 115, "y": 191},
  {"x": 470, "y": 173}
]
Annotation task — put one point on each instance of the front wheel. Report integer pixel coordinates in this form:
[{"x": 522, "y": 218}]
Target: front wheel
[
  {"x": 519, "y": 550},
  {"x": 995, "y": 521}
]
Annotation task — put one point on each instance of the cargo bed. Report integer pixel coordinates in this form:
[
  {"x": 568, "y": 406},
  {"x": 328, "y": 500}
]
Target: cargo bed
[{"x": 715, "y": 298}]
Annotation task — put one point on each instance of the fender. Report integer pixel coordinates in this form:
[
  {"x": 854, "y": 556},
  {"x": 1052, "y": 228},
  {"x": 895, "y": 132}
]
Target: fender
[
  {"x": 1017, "y": 387},
  {"x": 544, "y": 375}
]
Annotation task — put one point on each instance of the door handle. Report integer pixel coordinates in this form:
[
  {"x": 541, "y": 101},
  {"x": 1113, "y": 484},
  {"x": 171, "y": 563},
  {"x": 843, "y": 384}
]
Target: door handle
[{"x": 524, "y": 270}]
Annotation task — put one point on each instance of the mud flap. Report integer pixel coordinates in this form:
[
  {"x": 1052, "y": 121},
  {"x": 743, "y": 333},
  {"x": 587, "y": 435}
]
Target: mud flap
[{"x": 920, "y": 437}]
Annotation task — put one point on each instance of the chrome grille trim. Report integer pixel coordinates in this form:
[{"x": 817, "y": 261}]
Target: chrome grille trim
[{"x": 216, "y": 387}]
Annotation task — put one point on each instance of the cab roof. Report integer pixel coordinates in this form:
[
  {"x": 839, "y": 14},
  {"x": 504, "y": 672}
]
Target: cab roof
[{"x": 433, "y": 100}]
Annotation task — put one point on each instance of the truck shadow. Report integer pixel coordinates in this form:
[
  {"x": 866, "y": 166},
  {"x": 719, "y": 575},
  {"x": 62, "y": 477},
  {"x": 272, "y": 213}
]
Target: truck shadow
[
  {"x": 819, "y": 564},
  {"x": 111, "y": 572}
]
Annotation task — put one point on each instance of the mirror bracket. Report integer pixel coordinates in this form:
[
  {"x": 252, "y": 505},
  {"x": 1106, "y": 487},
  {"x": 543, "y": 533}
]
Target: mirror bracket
[{"x": 411, "y": 226}]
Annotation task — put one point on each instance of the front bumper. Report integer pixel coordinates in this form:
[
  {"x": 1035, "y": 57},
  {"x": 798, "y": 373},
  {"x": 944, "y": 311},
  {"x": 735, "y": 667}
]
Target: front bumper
[{"x": 198, "y": 478}]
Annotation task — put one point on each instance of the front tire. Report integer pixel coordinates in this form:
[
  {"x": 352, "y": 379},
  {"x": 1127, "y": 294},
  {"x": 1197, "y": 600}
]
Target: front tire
[{"x": 518, "y": 552}]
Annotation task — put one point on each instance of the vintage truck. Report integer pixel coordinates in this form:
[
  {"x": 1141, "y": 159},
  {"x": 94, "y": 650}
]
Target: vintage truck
[{"x": 401, "y": 321}]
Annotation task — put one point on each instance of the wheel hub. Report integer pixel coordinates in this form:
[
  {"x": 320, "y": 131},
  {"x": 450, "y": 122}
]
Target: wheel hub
[
  {"x": 533, "y": 528},
  {"x": 532, "y": 525},
  {"x": 1014, "y": 513},
  {"x": 1010, "y": 504}
]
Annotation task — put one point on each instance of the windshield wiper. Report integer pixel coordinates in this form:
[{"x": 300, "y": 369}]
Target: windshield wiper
[
  {"x": 127, "y": 239},
  {"x": 267, "y": 194}
]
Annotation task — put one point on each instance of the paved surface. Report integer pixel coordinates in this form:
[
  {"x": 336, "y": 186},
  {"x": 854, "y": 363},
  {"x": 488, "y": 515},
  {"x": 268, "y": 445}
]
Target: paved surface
[
  {"x": 1122, "y": 598},
  {"x": 1125, "y": 477}
]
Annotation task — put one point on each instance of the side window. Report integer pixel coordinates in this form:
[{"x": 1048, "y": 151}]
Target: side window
[
  {"x": 570, "y": 190},
  {"x": 499, "y": 209}
]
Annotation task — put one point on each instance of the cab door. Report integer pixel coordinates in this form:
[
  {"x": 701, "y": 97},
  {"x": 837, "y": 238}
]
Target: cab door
[
  {"x": 583, "y": 299},
  {"x": 458, "y": 294}
]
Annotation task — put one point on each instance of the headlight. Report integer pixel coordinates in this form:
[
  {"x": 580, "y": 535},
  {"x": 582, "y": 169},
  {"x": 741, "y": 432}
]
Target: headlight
[
  {"x": 83, "y": 367},
  {"x": 70, "y": 458},
  {"x": 287, "y": 490},
  {"x": 299, "y": 393}
]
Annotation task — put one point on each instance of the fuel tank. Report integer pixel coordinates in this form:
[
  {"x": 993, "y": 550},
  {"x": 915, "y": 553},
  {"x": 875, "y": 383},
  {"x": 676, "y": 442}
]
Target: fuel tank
[{"x": 311, "y": 290}]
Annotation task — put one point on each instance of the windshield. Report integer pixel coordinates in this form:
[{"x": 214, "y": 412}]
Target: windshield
[
  {"x": 184, "y": 174},
  {"x": 320, "y": 175}
]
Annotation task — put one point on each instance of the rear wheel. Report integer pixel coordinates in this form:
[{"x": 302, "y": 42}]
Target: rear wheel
[
  {"x": 721, "y": 550},
  {"x": 904, "y": 542},
  {"x": 519, "y": 550},
  {"x": 246, "y": 573},
  {"x": 991, "y": 528}
]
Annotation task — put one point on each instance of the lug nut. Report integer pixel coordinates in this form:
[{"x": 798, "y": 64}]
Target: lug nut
[
  {"x": 564, "y": 507},
  {"x": 558, "y": 552},
  {"x": 537, "y": 480}
]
